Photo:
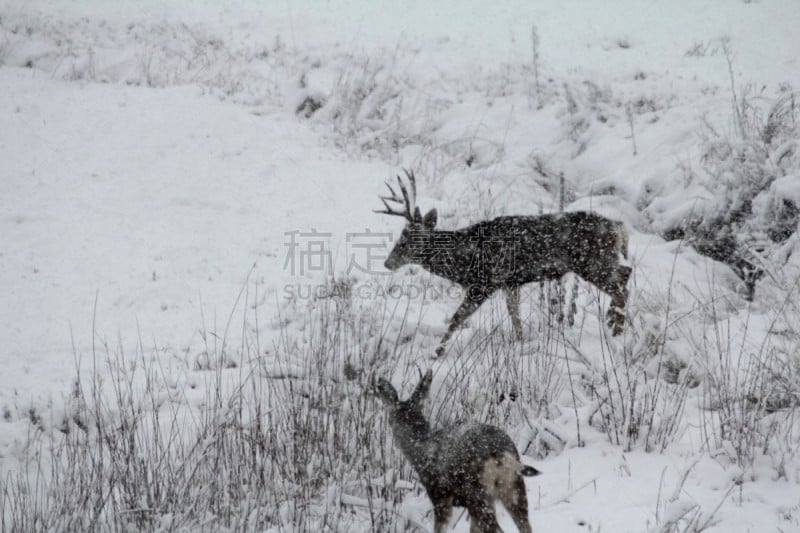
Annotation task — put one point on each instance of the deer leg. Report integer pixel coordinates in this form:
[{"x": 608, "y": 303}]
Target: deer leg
[
  {"x": 468, "y": 306},
  {"x": 516, "y": 501},
  {"x": 615, "y": 284},
  {"x": 512, "y": 302},
  {"x": 619, "y": 297},
  {"x": 441, "y": 514},
  {"x": 481, "y": 514}
]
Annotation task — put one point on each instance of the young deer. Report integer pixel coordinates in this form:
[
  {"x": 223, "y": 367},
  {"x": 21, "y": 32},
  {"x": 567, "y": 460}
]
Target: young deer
[
  {"x": 509, "y": 251},
  {"x": 466, "y": 466}
]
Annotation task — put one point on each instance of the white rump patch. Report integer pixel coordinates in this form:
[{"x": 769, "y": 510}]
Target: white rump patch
[{"x": 499, "y": 475}]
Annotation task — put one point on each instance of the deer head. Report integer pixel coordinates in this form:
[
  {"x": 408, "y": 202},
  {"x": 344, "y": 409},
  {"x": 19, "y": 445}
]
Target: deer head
[
  {"x": 406, "y": 413},
  {"x": 413, "y": 242},
  {"x": 409, "y": 426}
]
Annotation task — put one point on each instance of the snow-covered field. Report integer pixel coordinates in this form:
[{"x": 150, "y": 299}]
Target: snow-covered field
[{"x": 192, "y": 279}]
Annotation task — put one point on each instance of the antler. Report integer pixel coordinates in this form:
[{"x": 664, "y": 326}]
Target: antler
[{"x": 407, "y": 201}]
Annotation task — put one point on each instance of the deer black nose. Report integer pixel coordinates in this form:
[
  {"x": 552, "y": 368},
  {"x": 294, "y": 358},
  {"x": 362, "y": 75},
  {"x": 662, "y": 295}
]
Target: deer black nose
[{"x": 394, "y": 261}]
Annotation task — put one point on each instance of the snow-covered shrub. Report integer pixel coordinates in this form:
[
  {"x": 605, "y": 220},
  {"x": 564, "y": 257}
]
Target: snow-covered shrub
[
  {"x": 639, "y": 391},
  {"x": 586, "y": 104},
  {"x": 288, "y": 440},
  {"x": 750, "y": 194},
  {"x": 520, "y": 387},
  {"x": 359, "y": 96},
  {"x": 592, "y": 110},
  {"x": 739, "y": 403},
  {"x": 160, "y": 54},
  {"x": 750, "y": 389},
  {"x": 371, "y": 103}
]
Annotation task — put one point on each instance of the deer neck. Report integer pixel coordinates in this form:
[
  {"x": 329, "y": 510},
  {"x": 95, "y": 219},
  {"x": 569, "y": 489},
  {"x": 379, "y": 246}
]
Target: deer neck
[
  {"x": 414, "y": 440},
  {"x": 443, "y": 252}
]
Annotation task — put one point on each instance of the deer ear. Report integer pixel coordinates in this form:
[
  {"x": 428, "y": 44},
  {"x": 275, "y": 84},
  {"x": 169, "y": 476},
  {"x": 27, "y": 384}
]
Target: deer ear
[
  {"x": 430, "y": 219},
  {"x": 417, "y": 215},
  {"x": 424, "y": 386},
  {"x": 385, "y": 391}
]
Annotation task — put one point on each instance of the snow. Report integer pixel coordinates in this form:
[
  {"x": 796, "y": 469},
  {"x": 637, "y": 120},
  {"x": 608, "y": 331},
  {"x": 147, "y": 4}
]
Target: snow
[
  {"x": 138, "y": 218},
  {"x": 154, "y": 169}
]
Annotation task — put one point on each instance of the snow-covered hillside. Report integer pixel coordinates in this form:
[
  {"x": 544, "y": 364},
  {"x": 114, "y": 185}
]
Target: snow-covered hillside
[{"x": 194, "y": 298}]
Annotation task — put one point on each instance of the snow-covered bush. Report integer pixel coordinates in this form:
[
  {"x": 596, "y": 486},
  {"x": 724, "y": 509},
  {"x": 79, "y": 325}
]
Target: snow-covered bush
[
  {"x": 639, "y": 388},
  {"x": 288, "y": 440},
  {"x": 750, "y": 203},
  {"x": 162, "y": 54}
]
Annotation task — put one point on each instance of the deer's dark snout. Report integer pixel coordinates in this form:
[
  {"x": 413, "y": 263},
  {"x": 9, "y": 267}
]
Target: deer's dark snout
[
  {"x": 396, "y": 258},
  {"x": 391, "y": 263}
]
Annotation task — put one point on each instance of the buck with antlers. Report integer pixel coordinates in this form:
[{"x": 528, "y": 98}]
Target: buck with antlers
[{"x": 509, "y": 251}]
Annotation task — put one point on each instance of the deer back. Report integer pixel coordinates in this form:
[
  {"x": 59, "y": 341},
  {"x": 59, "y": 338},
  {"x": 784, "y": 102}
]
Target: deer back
[
  {"x": 464, "y": 450},
  {"x": 513, "y": 250}
]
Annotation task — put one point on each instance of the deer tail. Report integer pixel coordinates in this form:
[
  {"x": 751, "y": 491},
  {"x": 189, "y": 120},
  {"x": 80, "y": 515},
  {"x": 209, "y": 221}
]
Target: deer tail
[
  {"x": 621, "y": 237},
  {"x": 529, "y": 471}
]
